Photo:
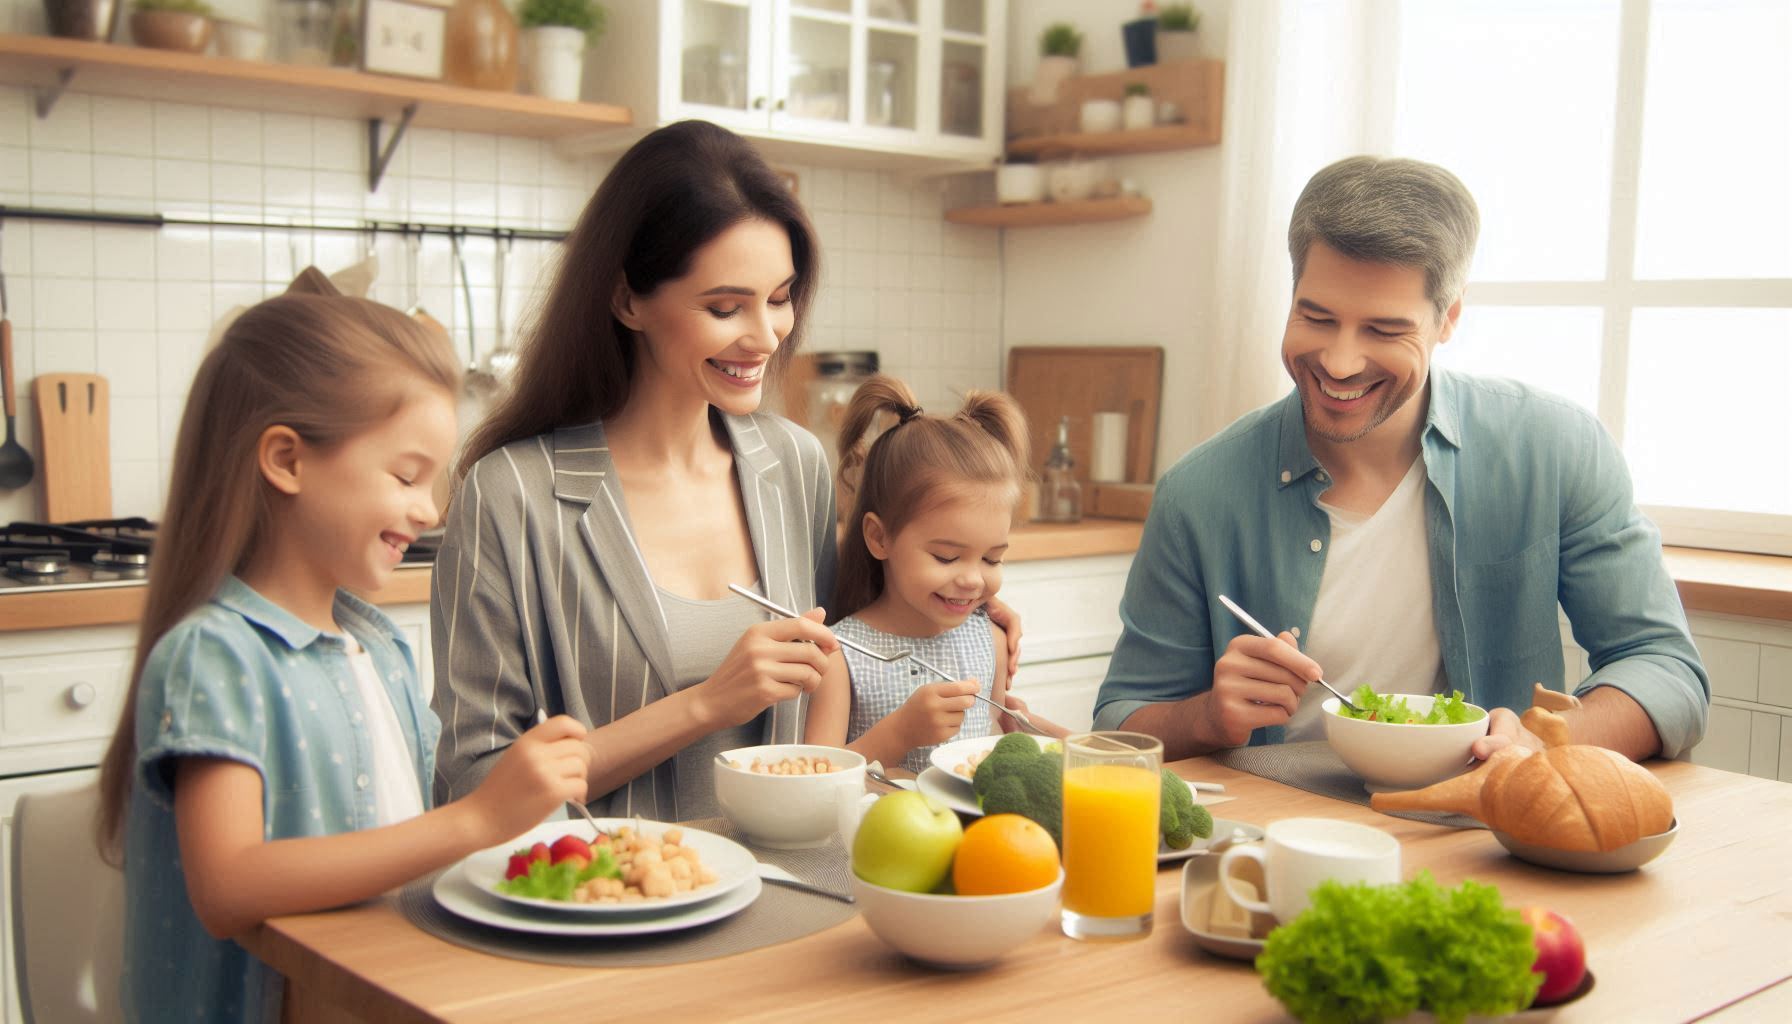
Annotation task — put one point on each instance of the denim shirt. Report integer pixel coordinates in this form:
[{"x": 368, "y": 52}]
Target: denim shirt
[
  {"x": 242, "y": 679},
  {"x": 1527, "y": 505}
]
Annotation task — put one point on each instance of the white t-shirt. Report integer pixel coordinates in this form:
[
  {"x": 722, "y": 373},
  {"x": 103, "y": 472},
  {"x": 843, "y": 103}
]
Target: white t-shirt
[
  {"x": 1373, "y": 622},
  {"x": 395, "y": 794}
]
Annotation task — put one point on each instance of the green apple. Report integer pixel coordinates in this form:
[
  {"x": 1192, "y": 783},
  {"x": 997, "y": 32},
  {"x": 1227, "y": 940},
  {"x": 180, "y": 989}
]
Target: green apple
[{"x": 906, "y": 842}]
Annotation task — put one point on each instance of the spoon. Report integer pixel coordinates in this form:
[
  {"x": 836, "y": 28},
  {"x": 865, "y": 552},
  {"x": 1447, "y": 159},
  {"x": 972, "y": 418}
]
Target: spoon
[
  {"x": 478, "y": 382},
  {"x": 16, "y": 468},
  {"x": 1257, "y": 627},
  {"x": 501, "y": 360}
]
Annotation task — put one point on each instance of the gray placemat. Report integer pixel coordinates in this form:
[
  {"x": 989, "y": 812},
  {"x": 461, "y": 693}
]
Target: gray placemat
[
  {"x": 1314, "y": 767},
  {"x": 778, "y": 915}
]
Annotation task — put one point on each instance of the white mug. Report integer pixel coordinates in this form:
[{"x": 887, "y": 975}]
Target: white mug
[{"x": 1299, "y": 853}]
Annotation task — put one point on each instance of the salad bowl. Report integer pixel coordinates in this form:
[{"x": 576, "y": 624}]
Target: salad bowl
[{"x": 1389, "y": 755}]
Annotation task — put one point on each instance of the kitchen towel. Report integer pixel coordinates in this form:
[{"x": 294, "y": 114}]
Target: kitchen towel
[
  {"x": 1314, "y": 767},
  {"x": 778, "y": 915}
]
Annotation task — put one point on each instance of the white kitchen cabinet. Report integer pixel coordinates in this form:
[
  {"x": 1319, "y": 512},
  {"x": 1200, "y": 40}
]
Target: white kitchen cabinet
[
  {"x": 910, "y": 79},
  {"x": 1070, "y": 615}
]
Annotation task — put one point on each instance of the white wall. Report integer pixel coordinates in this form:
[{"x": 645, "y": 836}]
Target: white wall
[{"x": 138, "y": 305}]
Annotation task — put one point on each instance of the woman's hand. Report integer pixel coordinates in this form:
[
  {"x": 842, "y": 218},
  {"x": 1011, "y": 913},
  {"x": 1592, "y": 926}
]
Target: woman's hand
[
  {"x": 1257, "y": 682},
  {"x": 1009, "y": 620},
  {"x": 771, "y": 662},
  {"x": 934, "y": 713},
  {"x": 544, "y": 768}
]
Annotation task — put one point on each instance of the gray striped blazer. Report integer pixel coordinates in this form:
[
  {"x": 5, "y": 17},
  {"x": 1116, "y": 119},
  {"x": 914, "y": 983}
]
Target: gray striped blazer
[{"x": 541, "y": 598}]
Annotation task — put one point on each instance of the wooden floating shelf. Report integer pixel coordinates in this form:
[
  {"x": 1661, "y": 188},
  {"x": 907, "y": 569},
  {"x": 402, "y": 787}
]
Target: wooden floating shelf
[
  {"x": 1144, "y": 140},
  {"x": 1032, "y": 215},
  {"x": 48, "y": 63}
]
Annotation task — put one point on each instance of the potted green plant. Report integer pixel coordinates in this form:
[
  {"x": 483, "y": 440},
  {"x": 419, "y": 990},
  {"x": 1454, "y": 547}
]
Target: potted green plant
[
  {"x": 555, "y": 33},
  {"x": 184, "y": 25},
  {"x": 1059, "y": 46},
  {"x": 1176, "y": 25}
]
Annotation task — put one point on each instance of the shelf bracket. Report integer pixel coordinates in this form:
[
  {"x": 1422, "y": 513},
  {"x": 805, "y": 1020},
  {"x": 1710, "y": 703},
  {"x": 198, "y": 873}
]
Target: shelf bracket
[
  {"x": 378, "y": 158},
  {"x": 46, "y": 98}
]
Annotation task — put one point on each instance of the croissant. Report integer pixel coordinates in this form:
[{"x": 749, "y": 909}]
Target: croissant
[{"x": 1570, "y": 796}]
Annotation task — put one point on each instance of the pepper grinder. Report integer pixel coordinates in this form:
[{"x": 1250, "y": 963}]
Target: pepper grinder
[{"x": 1060, "y": 496}]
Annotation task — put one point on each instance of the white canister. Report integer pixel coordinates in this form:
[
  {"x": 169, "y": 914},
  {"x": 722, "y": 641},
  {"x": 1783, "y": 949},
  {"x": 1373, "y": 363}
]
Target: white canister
[
  {"x": 1107, "y": 464},
  {"x": 1101, "y": 116},
  {"x": 1070, "y": 180},
  {"x": 241, "y": 42},
  {"x": 1020, "y": 183},
  {"x": 1137, "y": 113},
  {"x": 556, "y": 61}
]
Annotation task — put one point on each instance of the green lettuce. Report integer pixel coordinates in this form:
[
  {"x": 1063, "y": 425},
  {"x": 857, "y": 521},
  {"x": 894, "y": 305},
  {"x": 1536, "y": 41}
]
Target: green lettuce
[
  {"x": 1450, "y": 710},
  {"x": 547, "y": 881},
  {"x": 1365, "y": 953}
]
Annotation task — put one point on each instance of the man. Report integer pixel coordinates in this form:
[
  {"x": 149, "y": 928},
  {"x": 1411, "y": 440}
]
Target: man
[{"x": 1403, "y": 526}]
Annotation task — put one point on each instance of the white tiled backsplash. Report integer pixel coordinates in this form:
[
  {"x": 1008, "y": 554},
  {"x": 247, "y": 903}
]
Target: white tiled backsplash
[{"x": 138, "y": 304}]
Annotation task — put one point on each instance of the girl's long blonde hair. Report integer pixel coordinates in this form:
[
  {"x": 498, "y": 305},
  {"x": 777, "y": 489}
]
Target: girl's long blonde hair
[
  {"x": 327, "y": 366},
  {"x": 913, "y": 466}
]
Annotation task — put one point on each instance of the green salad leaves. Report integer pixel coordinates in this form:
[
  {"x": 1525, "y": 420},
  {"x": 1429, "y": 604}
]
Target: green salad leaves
[
  {"x": 1366, "y": 953},
  {"x": 547, "y": 881},
  {"x": 1451, "y": 710}
]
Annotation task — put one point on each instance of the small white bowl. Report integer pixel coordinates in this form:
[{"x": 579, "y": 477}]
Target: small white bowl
[
  {"x": 1389, "y": 756},
  {"x": 787, "y": 812},
  {"x": 1020, "y": 183},
  {"x": 956, "y": 931}
]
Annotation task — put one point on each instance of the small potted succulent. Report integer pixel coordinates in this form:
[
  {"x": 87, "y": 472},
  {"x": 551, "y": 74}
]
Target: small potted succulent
[
  {"x": 1059, "y": 46},
  {"x": 555, "y": 33},
  {"x": 1176, "y": 25},
  {"x": 184, "y": 25}
]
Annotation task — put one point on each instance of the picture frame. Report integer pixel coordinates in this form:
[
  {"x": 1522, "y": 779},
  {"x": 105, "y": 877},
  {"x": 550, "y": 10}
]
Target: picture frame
[{"x": 403, "y": 37}]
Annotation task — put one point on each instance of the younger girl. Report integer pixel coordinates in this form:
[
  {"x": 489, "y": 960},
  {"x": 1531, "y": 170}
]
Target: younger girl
[
  {"x": 921, "y": 556},
  {"x": 274, "y": 754}
]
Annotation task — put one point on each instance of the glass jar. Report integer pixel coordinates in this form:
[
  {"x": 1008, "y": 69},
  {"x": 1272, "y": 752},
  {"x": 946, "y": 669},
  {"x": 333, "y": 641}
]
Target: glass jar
[
  {"x": 880, "y": 93},
  {"x": 837, "y": 376},
  {"x": 480, "y": 50},
  {"x": 304, "y": 31},
  {"x": 1060, "y": 495}
]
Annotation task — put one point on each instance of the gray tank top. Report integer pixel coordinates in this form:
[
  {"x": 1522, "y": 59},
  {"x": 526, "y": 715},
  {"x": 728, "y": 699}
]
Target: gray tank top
[
  {"x": 878, "y": 688},
  {"x": 702, "y": 634}
]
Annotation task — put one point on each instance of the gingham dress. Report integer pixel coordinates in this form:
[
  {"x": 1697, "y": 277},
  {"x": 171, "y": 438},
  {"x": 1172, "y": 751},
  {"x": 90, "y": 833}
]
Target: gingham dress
[{"x": 878, "y": 688}]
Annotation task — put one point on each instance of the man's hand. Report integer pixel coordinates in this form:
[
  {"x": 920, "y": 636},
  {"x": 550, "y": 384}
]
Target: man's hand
[
  {"x": 1256, "y": 683},
  {"x": 1504, "y": 730}
]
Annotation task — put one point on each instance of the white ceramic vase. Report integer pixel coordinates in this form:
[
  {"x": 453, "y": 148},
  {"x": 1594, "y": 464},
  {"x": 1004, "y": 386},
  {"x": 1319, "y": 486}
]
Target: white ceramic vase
[
  {"x": 555, "y": 56},
  {"x": 1175, "y": 47},
  {"x": 1048, "y": 77}
]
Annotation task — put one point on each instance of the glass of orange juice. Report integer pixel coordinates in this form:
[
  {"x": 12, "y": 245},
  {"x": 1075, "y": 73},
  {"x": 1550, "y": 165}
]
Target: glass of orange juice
[{"x": 1111, "y": 792}]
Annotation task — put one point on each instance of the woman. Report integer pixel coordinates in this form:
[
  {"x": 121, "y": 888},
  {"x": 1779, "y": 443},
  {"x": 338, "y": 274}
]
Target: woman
[{"x": 629, "y": 478}]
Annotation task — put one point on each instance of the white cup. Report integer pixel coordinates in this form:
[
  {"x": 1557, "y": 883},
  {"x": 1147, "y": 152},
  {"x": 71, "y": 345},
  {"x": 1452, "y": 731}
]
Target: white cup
[
  {"x": 1020, "y": 183},
  {"x": 1100, "y": 115},
  {"x": 1299, "y": 853}
]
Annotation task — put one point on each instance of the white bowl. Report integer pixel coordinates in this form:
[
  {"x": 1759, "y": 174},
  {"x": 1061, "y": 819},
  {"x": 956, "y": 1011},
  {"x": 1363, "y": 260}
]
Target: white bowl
[
  {"x": 787, "y": 812},
  {"x": 1020, "y": 183},
  {"x": 1389, "y": 756},
  {"x": 956, "y": 931}
]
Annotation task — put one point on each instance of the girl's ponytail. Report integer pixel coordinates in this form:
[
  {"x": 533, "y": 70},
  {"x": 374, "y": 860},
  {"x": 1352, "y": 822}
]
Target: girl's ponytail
[
  {"x": 879, "y": 394},
  {"x": 1001, "y": 417}
]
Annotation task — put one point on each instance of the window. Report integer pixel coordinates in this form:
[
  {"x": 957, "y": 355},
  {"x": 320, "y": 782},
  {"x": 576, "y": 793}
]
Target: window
[{"x": 1631, "y": 159}]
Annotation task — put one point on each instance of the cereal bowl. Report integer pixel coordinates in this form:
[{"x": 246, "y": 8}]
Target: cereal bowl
[
  {"x": 956, "y": 931},
  {"x": 786, "y": 811},
  {"x": 1390, "y": 756}
]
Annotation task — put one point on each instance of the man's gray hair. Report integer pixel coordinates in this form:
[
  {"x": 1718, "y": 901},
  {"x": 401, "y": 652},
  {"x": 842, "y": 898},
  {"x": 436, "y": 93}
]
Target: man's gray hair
[{"x": 1388, "y": 210}]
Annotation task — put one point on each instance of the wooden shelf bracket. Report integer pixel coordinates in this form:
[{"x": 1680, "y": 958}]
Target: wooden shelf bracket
[
  {"x": 46, "y": 98},
  {"x": 378, "y": 158}
]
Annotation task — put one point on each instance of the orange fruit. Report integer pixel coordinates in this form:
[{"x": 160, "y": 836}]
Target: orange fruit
[{"x": 1004, "y": 853}]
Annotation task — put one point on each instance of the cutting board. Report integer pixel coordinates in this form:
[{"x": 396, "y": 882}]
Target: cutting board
[
  {"x": 74, "y": 436},
  {"x": 1079, "y": 381}
]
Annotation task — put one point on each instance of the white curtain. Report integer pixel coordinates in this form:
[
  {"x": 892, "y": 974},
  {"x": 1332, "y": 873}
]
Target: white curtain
[{"x": 1298, "y": 96}]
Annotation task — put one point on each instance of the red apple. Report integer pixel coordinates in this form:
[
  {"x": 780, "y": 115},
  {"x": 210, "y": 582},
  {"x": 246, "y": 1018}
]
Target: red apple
[{"x": 1561, "y": 955}]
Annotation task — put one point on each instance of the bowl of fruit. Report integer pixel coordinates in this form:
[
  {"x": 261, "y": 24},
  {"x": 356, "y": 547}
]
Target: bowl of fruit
[
  {"x": 1403, "y": 740},
  {"x": 953, "y": 896},
  {"x": 787, "y": 795}
]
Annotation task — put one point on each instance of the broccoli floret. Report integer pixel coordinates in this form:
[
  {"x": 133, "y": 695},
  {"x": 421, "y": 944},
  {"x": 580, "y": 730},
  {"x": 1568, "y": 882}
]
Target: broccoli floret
[
  {"x": 1181, "y": 819},
  {"x": 1028, "y": 785},
  {"x": 1016, "y": 742}
]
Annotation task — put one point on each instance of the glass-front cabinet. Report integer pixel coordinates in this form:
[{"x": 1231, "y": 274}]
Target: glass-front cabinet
[{"x": 920, "y": 77}]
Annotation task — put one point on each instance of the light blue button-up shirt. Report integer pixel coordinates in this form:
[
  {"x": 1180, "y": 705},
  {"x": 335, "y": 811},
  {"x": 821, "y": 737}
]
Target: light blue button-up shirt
[
  {"x": 245, "y": 680},
  {"x": 1527, "y": 504}
]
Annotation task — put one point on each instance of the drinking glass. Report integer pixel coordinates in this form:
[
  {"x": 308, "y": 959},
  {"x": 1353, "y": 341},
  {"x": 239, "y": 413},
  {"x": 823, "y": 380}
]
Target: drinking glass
[{"x": 1111, "y": 790}]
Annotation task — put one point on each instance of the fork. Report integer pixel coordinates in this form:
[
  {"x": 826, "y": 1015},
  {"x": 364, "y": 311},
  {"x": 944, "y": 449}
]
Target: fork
[
  {"x": 541, "y": 715},
  {"x": 1260, "y": 630},
  {"x": 1026, "y": 723}
]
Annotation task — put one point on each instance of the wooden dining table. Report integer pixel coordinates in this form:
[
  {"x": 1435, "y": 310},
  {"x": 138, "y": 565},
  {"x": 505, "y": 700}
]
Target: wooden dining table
[{"x": 1705, "y": 930}]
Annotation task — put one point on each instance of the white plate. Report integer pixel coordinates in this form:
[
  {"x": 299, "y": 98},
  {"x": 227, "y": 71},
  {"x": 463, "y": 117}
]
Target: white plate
[
  {"x": 941, "y": 786},
  {"x": 948, "y": 756},
  {"x": 459, "y": 896},
  {"x": 730, "y": 861}
]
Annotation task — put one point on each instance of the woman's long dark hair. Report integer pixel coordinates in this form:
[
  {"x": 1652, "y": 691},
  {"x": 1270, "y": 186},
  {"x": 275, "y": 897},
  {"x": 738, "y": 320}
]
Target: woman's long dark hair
[
  {"x": 668, "y": 196},
  {"x": 913, "y": 466}
]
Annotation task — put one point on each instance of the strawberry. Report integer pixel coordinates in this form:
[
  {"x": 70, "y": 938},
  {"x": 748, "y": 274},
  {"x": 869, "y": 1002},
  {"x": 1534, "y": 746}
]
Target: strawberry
[
  {"x": 538, "y": 852},
  {"x": 519, "y": 866},
  {"x": 570, "y": 846}
]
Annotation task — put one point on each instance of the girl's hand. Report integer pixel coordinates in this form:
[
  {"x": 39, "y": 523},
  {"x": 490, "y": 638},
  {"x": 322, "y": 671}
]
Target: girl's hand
[
  {"x": 543, "y": 769},
  {"x": 1005, "y": 722},
  {"x": 1009, "y": 620},
  {"x": 771, "y": 662},
  {"x": 934, "y": 712}
]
